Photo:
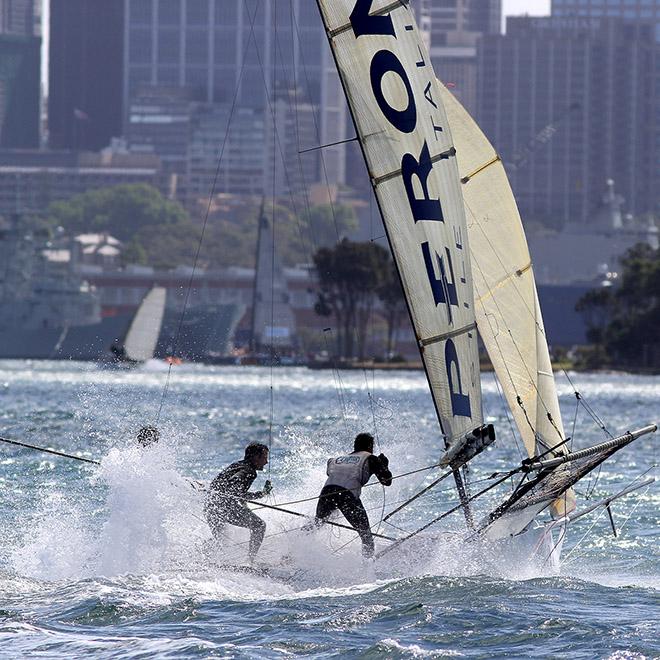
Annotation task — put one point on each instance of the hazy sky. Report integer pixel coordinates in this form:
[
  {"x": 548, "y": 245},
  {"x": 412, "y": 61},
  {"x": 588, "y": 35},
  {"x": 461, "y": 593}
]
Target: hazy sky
[{"x": 534, "y": 7}]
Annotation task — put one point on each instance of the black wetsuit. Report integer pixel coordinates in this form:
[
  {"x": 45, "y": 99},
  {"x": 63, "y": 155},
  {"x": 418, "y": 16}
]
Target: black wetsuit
[
  {"x": 334, "y": 496},
  {"x": 226, "y": 503}
]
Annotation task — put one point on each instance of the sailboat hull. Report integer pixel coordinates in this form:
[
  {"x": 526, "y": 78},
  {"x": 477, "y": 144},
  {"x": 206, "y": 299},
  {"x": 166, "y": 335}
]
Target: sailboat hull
[{"x": 537, "y": 548}]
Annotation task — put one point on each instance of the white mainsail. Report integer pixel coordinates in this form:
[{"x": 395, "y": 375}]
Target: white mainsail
[
  {"x": 395, "y": 101},
  {"x": 142, "y": 335},
  {"x": 507, "y": 306}
]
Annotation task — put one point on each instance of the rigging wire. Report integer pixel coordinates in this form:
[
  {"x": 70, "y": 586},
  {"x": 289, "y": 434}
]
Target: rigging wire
[
  {"x": 338, "y": 384},
  {"x": 505, "y": 406},
  {"x": 272, "y": 253},
  {"x": 206, "y": 215},
  {"x": 604, "y": 510},
  {"x": 373, "y": 483},
  {"x": 316, "y": 128},
  {"x": 540, "y": 328},
  {"x": 599, "y": 422}
]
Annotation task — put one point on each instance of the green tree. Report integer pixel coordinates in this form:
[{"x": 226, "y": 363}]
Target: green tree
[
  {"x": 350, "y": 275},
  {"x": 120, "y": 210},
  {"x": 624, "y": 322},
  {"x": 166, "y": 247},
  {"x": 391, "y": 295},
  {"x": 231, "y": 236},
  {"x": 328, "y": 224}
]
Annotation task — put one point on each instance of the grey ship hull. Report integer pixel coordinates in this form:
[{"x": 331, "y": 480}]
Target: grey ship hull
[
  {"x": 203, "y": 332},
  {"x": 82, "y": 342}
]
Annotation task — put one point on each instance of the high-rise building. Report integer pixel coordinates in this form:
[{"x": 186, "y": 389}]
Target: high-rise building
[
  {"x": 20, "y": 68},
  {"x": 86, "y": 69},
  {"x": 456, "y": 25},
  {"x": 19, "y": 17},
  {"x": 237, "y": 51},
  {"x": 568, "y": 103},
  {"x": 482, "y": 16},
  {"x": 647, "y": 11}
]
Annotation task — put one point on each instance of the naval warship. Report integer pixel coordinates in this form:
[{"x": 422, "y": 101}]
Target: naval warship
[{"x": 47, "y": 311}]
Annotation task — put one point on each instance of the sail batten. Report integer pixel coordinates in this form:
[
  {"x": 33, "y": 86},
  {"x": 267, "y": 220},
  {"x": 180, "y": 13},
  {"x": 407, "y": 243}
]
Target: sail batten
[
  {"x": 447, "y": 335},
  {"x": 433, "y": 159},
  {"x": 468, "y": 177},
  {"x": 395, "y": 104}
]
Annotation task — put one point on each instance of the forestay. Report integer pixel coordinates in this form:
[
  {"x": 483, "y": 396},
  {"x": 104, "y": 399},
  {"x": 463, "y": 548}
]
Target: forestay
[
  {"x": 507, "y": 307},
  {"x": 143, "y": 332},
  {"x": 402, "y": 127}
]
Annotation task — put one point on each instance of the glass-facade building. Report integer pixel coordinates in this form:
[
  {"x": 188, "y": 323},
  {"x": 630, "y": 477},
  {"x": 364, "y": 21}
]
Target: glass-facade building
[
  {"x": 647, "y": 11},
  {"x": 20, "y": 70},
  {"x": 85, "y": 73},
  {"x": 569, "y": 103},
  {"x": 237, "y": 52},
  {"x": 19, "y": 17}
]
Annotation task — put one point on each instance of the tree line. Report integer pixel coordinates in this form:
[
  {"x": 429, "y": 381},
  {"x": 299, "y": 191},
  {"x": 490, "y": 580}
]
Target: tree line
[
  {"x": 159, "y": 232},
  {"x": 623, "y": 320}
]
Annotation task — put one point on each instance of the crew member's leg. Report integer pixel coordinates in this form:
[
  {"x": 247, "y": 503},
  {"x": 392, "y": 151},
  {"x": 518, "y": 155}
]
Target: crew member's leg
[
  {"x": 354, "y": 512},
  {"x": 213, "y": 513},
  {"x": 326, "y": 503},
  {"x": 241, "y": 516}
]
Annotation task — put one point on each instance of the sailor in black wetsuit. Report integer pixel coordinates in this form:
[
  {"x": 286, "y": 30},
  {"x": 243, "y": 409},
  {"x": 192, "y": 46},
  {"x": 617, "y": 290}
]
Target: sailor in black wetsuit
[
  {"x": 346, "y": 476},
  {"x": 229, "y": 492}
]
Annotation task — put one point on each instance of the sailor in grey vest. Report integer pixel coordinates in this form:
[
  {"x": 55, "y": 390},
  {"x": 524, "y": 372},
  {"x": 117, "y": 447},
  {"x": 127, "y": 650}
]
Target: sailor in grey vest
[{"x": 342, "y": 489}]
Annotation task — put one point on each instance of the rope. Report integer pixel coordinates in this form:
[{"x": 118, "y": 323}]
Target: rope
[
  {"x": 49, "y": 451},
  {"x": 272, "y": 255}
]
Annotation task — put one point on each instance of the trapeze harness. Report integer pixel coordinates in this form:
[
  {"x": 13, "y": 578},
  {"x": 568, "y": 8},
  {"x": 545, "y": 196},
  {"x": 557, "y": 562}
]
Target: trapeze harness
[{"x": 342, "y": 489}]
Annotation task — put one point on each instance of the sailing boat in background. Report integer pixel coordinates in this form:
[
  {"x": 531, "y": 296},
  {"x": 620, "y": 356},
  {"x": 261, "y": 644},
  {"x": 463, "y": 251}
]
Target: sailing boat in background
[
  {"x": 139, "y": 343},
  {"x": 462, "y": 257},
  {"x": 272, "y": 322}
]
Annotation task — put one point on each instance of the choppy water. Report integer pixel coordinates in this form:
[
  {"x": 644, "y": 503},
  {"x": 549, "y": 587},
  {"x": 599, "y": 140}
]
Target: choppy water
[{"x": 113, "y": 560}]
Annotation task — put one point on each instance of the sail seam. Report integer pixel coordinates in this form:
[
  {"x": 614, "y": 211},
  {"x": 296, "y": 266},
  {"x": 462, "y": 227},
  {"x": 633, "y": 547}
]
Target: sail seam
[
  {"x": 492, "y": 161},
  {"x": 392, "y": 175},
  {"x": 446, "y": 335},
  {"x": 384, "y": 10}
]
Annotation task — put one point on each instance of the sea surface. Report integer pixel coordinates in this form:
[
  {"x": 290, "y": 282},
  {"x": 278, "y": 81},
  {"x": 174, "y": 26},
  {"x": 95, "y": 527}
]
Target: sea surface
[{"x": 114, "y": 560}]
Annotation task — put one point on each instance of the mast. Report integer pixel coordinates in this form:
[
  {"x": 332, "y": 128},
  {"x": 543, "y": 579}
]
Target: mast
[{"x": 252, "y": 344}]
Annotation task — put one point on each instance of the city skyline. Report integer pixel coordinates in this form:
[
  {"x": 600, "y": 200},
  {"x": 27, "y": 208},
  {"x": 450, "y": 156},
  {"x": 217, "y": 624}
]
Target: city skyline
[{"x": 509, "y": 8}]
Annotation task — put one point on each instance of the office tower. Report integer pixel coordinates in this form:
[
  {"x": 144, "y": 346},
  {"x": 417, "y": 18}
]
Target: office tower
[
  {"x": 456, "y": 26},
  {"x": 20, "y": 67},
  {"x": 85, "y": 77},
  {"x": 568, "y": 103},
  {"x": 647, "y": 11},
  {"x": 19, "y": 17},
  {"x": 237, "y": 52},
  {"x": 448, "y": 16}
]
